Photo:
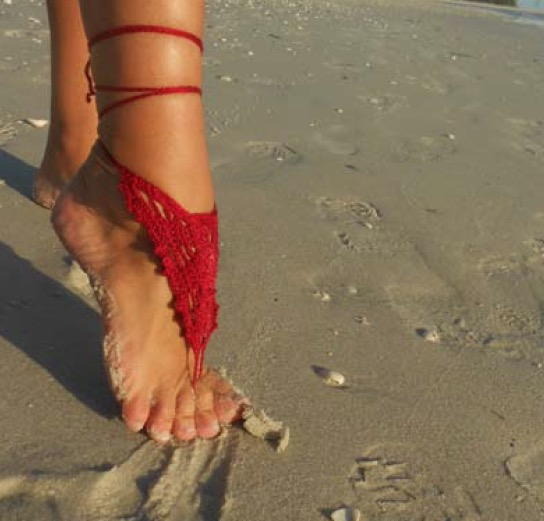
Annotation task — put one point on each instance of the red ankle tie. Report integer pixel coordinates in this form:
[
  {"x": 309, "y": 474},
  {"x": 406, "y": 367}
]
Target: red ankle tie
[{"x": 186, "y": 243}]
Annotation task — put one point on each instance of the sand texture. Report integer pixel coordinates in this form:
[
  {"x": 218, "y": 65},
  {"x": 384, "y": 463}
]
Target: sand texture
[{"x": 379, "y": 168}]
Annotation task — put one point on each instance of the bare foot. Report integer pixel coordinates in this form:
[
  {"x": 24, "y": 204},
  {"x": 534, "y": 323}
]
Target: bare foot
[
  {"x": 62, "y": 159},
  {"x": 147, "y": 361}
]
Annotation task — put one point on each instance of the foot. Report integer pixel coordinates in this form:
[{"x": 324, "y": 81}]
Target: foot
[
  {"x": 148, "y": 363},
  {"x": 61, "y": 161}
]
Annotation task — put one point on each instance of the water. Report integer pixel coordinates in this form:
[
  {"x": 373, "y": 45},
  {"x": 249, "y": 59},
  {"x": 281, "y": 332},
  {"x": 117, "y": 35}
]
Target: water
[
  {"x": 537, "y": 5},
  {"x": 524, "y": 11},
  {"x": 531, "y": 4}
]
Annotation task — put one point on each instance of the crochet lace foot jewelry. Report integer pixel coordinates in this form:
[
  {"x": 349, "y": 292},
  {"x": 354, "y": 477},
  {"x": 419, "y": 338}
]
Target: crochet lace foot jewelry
[{"x": 186, "y": 243}]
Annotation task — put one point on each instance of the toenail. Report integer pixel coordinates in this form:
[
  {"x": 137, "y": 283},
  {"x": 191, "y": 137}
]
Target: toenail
[
  {"x": 187, "y": 432},
  {"x": 161, "y": 437},
  {"x": 214, "y": 427},
  {"x": 189, "y": 429},
  {"x": 135, "y": 426}
]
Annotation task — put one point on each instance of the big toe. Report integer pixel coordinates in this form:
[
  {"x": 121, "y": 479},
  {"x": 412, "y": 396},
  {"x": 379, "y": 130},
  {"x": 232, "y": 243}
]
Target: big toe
[
  {"x": 228, "y": 407},
  {"x": 228, "y": 404}
]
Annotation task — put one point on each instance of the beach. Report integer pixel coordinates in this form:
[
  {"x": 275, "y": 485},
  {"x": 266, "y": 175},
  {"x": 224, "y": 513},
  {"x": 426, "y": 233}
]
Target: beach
[{"x": 379, "y": 174}]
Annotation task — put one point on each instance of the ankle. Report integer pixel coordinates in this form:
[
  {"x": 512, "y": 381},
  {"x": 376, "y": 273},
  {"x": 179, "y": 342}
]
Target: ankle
[
  {"x": 69, "y": 135},
  {"x": 67, "y": 147},
  {"x": 163, "y": 141}
]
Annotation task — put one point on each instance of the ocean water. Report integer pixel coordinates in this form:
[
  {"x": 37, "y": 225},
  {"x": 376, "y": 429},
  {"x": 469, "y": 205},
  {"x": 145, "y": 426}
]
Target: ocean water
[
  {"x": 522, "y": 4},
  {"x": 531, "y": 4}
]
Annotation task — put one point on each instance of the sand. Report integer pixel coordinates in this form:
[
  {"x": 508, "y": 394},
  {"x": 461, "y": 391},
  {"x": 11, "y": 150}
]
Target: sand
[{"x": 379, "y": 175}]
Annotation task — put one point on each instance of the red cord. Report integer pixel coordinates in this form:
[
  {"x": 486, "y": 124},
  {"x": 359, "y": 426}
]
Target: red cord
[
  {"x": 125, "y": 29},
  {"x": 148, "y": 92},
  {"x": 145, "y": 91},
  {"x": 185, "y": 242}
]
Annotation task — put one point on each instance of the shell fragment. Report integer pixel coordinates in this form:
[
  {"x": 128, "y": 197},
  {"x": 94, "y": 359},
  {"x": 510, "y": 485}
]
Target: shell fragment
[
  {"x": 329, "y": 377},
  {"x": 430, "y": 335},
  {"x": 258, "y": 424},
  {"x": 346, "y": 514},
  {"x": 36, "y": 123}
]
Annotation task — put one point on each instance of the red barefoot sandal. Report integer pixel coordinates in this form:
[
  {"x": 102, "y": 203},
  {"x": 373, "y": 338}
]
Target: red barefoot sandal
[{"x": 185, "y": 242}]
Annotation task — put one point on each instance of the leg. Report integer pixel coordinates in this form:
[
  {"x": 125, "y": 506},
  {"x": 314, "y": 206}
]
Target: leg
[
  {"x": 162, "y": 139},
  {"x": 167, "y": 132},
  {"x": 73, "y": 120}
]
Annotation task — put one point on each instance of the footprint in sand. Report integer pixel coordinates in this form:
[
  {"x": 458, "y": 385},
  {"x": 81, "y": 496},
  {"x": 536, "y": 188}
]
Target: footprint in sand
[
  {"x": 259, "y": 161},
  {"x": 510, "y": 309},
  {"x": 422, "y": 299},
  {"x": 152, "y": 483},
  {"x": 352, "y": 219},
  {"x": 527, "y": 470},
  {"x": 389, "y": 480},
  {"x": 275, "y": 151},
  {"x": 345, "y": 241},
  {"x": 427, "y": 304},
  {"x": 499, "y": 312},
  {"x": 348, "y": 211}
]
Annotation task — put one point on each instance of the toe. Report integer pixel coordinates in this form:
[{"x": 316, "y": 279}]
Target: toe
[
  {"x": 136, "y": 412},
  {"x": 207, "y": 424},
  {"x": 227, "y": 402},
  {"x": 228, "y": 407},
  {"x": 159, "y": 424},
  {"x": 184, "y": 424}
]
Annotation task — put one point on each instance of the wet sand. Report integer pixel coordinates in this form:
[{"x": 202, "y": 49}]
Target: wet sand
[{"x": 379, "y": 176}]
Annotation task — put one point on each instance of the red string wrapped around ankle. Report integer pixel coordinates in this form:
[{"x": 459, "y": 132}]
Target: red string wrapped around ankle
[
  {"x": 186, "y": 243},
  {"x": 143, "y": 92}
]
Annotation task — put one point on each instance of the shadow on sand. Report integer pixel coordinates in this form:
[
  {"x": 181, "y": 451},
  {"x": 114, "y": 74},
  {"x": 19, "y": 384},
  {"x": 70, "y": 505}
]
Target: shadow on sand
[
  {"x": 46, "y": 321},
  {"x": 55, "y": 328},
  {"x": 16, "y": 173},
  {"x": 42, "y": 318}
]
